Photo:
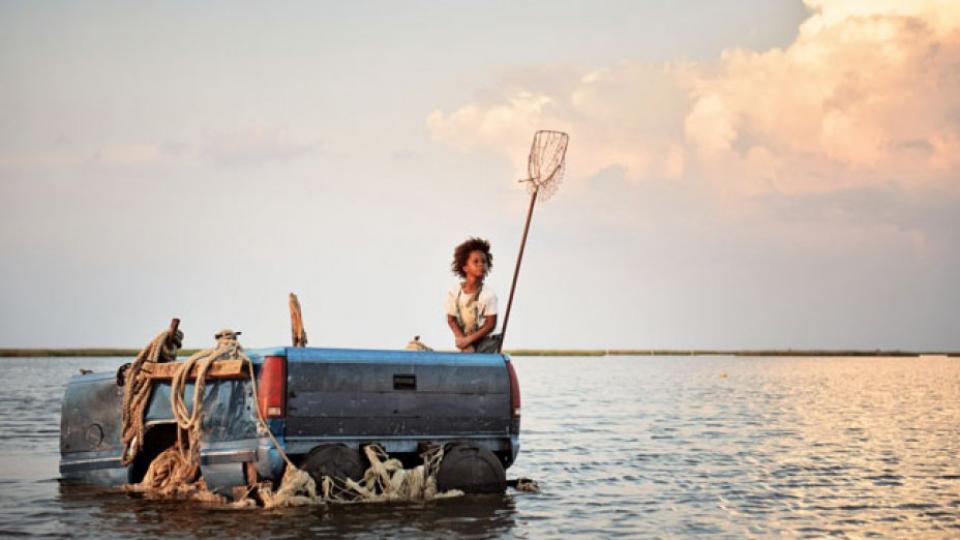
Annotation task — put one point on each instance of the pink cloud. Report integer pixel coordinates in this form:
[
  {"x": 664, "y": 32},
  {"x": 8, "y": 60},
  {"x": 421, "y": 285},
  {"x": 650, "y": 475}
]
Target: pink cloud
[{"x": 868, "y": 93}]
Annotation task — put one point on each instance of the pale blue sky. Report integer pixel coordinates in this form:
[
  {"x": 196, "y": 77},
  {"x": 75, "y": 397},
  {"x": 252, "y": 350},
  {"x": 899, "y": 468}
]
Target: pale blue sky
[{"x": 202, "y": 160}]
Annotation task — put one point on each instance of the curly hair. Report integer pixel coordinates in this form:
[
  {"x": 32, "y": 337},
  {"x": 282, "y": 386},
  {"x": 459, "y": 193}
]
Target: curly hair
[{"x": 462, "y": 252}]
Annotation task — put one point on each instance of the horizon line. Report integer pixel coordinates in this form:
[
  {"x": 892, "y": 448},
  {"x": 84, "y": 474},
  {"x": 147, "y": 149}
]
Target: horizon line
[{"x": 62, "y": 352}]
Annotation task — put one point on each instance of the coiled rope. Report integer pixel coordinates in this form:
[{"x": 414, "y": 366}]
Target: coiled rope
[
  {"x": 136, "y": 391},
  {"x": 175, "y": 472}
]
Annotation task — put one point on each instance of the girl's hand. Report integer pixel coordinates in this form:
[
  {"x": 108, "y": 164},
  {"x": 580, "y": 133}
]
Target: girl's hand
[{"x": 462, "y": 342}]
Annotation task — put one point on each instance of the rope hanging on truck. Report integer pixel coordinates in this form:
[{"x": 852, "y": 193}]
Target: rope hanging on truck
[
  {"x": 137, "y": 386},
  {"x": 176, "y": 471}
]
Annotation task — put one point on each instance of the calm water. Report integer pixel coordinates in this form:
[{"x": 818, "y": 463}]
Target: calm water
[{"x": 651, "y": 447}]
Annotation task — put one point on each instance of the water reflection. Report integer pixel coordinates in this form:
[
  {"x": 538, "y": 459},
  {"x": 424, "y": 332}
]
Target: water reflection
[
  {"x": 662, "y": 447},
  {"x": 96, "y": 511},
  {"x": 747, "y": 446}
]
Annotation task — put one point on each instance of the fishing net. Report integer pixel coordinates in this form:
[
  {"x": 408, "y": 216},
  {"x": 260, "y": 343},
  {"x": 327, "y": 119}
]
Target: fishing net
[
  {"x": 547, "y": 162},
  {"x": 545, "y": 168}
]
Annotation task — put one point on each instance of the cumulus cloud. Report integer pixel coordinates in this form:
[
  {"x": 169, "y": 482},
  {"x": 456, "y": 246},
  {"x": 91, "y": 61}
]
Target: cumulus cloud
[
  {"x": 868, "y": 93},
  {"x": 620, "y": 117}
]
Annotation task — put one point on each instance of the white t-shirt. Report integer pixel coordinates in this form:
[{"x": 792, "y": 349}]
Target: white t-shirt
[{"x": 487, "y": 302}]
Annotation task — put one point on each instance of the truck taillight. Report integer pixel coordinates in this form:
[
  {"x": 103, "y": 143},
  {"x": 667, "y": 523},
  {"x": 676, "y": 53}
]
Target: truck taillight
[
  {"x": 272, "y": 388},
  {"x": 514, "y": 391}
]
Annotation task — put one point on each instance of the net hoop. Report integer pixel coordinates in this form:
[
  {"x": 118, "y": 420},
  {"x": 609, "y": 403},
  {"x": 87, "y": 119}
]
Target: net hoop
[{"x": 547, "y": 162}]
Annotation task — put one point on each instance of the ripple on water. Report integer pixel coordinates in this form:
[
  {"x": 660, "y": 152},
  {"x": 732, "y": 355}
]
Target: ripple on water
[{"x": 621, "y": 446}]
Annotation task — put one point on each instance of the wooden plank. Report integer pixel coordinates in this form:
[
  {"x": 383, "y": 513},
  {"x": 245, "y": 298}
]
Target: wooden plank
[{"x": 221, "y": 369}]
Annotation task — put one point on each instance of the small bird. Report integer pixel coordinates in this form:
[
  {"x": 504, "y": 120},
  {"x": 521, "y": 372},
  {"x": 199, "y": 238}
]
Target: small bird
[{"x": 85, "y": 371}]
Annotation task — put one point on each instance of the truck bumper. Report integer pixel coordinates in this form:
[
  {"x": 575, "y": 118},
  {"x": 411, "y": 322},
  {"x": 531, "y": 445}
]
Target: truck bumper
[
  {"x": 223, "y": 464},
  {"x": 95, "y": 468}
]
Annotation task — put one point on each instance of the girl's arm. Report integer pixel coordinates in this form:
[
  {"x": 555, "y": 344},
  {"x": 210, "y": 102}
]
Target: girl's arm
[
  {"x": 488, "y": 325},
  {"x": 455, "y": 328}
]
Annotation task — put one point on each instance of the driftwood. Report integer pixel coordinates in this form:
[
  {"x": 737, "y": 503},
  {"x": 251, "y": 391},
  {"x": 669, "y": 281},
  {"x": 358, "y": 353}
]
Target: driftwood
[{"x": 296, "y": 323}]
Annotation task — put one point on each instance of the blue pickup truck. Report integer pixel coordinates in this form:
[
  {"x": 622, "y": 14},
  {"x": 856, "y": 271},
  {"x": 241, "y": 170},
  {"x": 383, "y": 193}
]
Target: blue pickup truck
[{"x": 323, "y": 406}]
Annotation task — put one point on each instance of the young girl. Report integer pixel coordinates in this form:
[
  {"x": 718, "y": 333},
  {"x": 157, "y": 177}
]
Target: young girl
[{"x": 472, "y": 308}]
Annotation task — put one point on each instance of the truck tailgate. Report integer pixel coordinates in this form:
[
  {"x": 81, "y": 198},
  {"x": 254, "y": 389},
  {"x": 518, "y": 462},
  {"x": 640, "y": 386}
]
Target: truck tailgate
[{"x": 338, "y": 392}]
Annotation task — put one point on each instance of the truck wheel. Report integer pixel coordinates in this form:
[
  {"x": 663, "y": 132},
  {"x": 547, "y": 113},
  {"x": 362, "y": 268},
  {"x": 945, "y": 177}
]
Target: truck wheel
[
  {"x": 471, "y": 469},
  {"x": 333, "y": 460}
]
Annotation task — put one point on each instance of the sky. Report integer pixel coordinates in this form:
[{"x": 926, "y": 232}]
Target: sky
[{"x": 741, "y": 173}]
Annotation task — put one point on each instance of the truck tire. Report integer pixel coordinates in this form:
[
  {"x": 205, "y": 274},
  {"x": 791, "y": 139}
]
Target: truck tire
[
  {"x": 333, "y": 460},
  {"x": 471, "y": 469}
]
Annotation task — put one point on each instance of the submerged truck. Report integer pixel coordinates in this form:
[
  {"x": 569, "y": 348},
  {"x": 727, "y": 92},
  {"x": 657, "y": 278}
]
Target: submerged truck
[{"x": 323, "y": 406}]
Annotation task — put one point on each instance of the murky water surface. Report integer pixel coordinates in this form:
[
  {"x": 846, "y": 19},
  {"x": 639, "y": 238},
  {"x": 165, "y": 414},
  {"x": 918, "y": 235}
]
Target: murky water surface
[{"x": 633, "y": 446}]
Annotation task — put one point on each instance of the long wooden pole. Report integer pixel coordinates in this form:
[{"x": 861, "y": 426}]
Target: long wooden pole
[{"x": 516, "y": 270}]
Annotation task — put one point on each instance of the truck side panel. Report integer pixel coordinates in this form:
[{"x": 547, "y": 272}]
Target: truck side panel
[{"x": 90, "y": 445}]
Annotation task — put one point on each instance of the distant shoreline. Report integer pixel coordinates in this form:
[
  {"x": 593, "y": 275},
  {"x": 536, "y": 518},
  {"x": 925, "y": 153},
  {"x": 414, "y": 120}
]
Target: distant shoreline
[{"x": 88, "y": 352}]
